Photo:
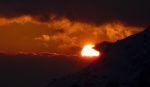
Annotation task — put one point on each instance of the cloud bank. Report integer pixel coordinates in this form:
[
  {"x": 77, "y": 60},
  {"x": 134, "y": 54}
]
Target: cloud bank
[
  {"x": 130, "y": 12},
  {"x": 65, "y": 26},
  {"x": 24, "y": 34}
]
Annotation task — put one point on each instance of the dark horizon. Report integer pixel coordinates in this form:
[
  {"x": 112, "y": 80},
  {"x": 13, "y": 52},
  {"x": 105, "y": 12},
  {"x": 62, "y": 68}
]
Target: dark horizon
[{"x": 29, "y": 70}]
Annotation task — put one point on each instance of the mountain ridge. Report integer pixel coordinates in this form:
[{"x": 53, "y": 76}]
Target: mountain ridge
[{"x": 124, "y": 63}]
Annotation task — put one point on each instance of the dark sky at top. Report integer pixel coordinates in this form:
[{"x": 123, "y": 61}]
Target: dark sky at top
[{"x": 131, "y": 12}]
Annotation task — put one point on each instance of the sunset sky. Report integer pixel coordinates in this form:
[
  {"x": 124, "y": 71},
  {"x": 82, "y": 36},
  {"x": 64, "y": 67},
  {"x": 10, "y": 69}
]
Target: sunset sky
[
  {"x": 65, "y": 26},
  {"x": 36, "y": 35}
]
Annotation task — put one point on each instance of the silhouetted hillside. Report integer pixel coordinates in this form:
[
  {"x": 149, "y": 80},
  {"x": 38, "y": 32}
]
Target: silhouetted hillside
[{"x": 125, "y": 63}]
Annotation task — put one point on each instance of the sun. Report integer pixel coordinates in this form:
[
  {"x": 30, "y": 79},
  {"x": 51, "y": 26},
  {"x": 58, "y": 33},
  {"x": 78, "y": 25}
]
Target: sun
[{"x": 88, "y": 51}]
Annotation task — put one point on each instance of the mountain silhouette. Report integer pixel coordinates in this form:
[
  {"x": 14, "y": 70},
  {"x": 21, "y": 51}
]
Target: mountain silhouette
[{"x": 125, "y": 63}]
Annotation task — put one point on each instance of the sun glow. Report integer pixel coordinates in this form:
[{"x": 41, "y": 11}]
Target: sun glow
[{"x": 88, "y": 51}]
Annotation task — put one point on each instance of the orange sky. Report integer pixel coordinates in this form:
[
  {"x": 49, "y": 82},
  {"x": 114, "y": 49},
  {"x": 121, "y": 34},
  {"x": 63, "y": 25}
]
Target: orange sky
[
  {"x": 24, "y": 34},
  {"x": 65, "y": 26}
]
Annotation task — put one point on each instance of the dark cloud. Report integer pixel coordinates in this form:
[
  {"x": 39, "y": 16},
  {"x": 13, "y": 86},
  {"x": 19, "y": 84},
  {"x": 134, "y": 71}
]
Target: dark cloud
[{"x": 131, "y": 12}]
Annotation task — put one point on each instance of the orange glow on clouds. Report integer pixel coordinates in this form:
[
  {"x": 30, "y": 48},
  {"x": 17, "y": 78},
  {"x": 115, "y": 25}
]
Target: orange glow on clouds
[
  {"x": 88, "y": 51},
  {"x": 26, "y": 34}
]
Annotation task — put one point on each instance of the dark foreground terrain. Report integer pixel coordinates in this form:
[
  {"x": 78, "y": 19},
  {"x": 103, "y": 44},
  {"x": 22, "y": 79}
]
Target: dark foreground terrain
[{"x": 125, "y": 63}]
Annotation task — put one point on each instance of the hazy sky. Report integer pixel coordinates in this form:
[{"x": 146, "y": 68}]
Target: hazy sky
[{"x": 65, "y": 26}]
